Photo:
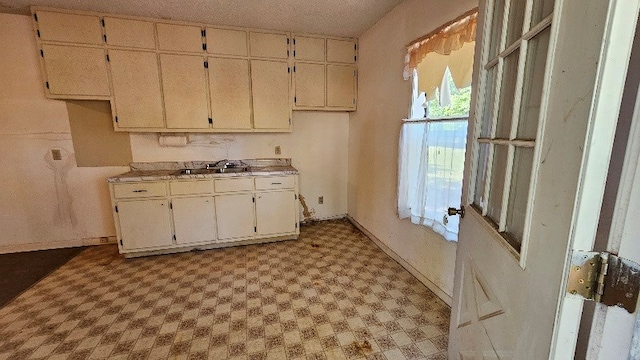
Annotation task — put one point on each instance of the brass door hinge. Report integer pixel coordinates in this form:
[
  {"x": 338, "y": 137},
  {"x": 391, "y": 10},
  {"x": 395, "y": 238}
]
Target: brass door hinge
[{"x": 604, "y": 278}]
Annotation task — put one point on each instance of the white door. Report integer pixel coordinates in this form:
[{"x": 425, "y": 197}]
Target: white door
[
  {"x": 235, "y": 217},
  {"x": 145, "y": 224},
  {"x": 549, "y": 75}
]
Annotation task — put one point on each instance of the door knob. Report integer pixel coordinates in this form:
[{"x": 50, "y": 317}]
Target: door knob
[{"x": 453, "y": 211}]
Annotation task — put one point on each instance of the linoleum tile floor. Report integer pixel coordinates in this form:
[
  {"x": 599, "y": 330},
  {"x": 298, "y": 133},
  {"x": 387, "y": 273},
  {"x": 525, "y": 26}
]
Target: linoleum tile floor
[{"x": 332, "y": 294}]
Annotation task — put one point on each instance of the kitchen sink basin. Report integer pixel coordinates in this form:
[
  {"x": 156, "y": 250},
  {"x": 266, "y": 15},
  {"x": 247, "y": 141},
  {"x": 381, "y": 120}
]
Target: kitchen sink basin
[{"x": 211, "y": 171}]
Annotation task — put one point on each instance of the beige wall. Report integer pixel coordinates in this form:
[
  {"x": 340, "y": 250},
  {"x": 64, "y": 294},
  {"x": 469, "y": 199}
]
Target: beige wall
[
  {"x": 317, "y": 147},
  {"x": 383, "y": 100},
  {"x": 43, "y": 203},
  {"x": 46, "y": 203}
]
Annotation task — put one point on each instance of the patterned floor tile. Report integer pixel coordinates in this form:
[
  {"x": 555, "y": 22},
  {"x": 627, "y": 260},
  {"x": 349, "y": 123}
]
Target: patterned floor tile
[{"x": 333, "y": 294}]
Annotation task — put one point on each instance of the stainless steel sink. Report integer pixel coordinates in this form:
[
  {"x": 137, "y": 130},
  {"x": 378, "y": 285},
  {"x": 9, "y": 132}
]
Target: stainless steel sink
[{"x": 221, "y": 167}]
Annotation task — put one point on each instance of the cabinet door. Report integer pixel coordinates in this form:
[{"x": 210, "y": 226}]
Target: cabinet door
[
  {"x": 235, "y": 216},
  {"x": 136, "y": 89},
  {"x": 74, "y": 28},
  {"x": 184, "y": 85},
  {"x": 230, "y": 93},
  {"x": 173, "y": 37},
  {"x": 75, "y": 71},
  {"x": 275, "y": 213},
  {"x": 270, "y": 90},
  {"x": 144, "y": 224},
  {"x": 341, "y": 51},
  {"x": 309, "y": 82},
  {"x": 129, "y": 33},
  {"x": 308, "y": 48},
  {"x": 341, "y": 86},
  {"x": 194, "y": 219},
  {"x": 227, "y": 42},
  {"x": 268, "y": 45}
]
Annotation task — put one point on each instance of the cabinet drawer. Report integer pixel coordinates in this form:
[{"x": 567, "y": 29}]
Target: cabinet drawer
[
  {"x": 190, "y": 187},
  {"x": 139, "y": 190},
  {"x": 233, "y": 185},
  {"x": 276, "y": 182}
]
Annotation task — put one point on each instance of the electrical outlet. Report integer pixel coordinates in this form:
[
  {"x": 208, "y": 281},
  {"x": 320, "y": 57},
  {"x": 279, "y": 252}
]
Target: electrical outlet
[
  {"x": 56, "y": 154},
  {"x": 104, "y": 240},
  {"x": 320, "y": 199},
  {"x": 278, "y": 150}
]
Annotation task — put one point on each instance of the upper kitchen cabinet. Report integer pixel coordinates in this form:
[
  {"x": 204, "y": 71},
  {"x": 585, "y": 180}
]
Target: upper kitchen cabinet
[
  {"x": 74, "y": 72},
  {"x": 129, "y": 33},
  {"x": 137, "y": 98},
  {"x": 324, "y": 76},
  {"x": 269, "y": 45},
  {"x": 226, "y": 42},
  {"x": 270, "y": 83},
  {"x": 183, "y": 38},
  {"x": 230, "y": 93},
  {"x": 341, "y": 86},
  {"x": 307, "y": 48},
  {"x": 184, "y": 86},
  {"x": 341, "y": 51},
  {"x": 68, "y": 27}
]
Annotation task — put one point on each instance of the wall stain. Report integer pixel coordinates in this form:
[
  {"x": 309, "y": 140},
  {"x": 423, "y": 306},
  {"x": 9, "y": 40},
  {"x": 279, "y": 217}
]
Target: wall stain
[{"x": 308, "y": 214}]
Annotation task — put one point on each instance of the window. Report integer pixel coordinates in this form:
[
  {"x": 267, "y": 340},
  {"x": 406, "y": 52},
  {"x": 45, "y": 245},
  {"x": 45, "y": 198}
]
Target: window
[{"x": 433, "y": 139}]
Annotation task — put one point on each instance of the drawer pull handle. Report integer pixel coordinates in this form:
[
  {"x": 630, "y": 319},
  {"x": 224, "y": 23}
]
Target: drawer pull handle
[
  {"x": 274, "y": 183},
  {"x": 139, "y": 191}
]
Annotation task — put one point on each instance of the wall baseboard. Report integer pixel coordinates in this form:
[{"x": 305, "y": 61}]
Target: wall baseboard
[
  {"x": 7, "y": 249},
  {"x": 423, "y": 279},
  {"x": 324, "y": 218}
]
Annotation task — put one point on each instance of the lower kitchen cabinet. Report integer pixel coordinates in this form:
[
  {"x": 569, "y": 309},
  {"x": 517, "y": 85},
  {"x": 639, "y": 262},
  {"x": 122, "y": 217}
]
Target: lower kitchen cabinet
[
  {"x": 235, "y": 216},
  {"x": 164, "y": 216},
  {"x": 194, "y": 219},
  {"x": 144, "y": 224},
  {"x": 274, "y": 212}
]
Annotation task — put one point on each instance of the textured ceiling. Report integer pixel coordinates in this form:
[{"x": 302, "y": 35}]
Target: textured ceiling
[{"x": 329, "y": 17}]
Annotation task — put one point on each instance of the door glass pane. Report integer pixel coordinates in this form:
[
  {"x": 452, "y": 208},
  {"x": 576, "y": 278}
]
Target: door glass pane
[
  {"x": 519, "y": 194},
  {"x": 541, "y": 9},
  {"x": 487, "y": 111},
  {"x": 516, "y": 19},
  {"x": 500, "y": 155},
  {"x": 496, "y": 28},
  {"x": 507, "y": 94},
  {"x": 533, "y": 82},
  {"x": 483, "y": 157}
]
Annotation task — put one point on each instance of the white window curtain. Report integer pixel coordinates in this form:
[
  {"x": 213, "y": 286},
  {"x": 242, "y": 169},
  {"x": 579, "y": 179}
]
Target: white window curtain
[{"x": 431, "y": 159}]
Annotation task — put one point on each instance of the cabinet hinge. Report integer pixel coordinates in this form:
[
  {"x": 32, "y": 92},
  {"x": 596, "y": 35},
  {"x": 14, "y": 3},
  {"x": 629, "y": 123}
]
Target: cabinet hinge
[
  {"x": 116, "y": 119},
  {"x": 203, "y": 32},
  {"x": 296, "y": 225},
  {"x": 295, "y": 99},
  {"x": 174, "y": 237},
  {"x": 355, "y": 46},
  {"x": 46, "y": 84},
  {"x": 253, "y": 199},
  {"x": 288, "y": 53},
  {"x": 288, "y": 70},
  {"x": 294, "y": 53},
  {"x": 294, "y": 41},
  {"x": 354, "y": 101},
  {"x": 116, "y": 208},
  {"x": 604, "y": 278},
  {"x": 255, "y": 229},
  {"x": 355, "y": 58},
  {"x": 41, "y": 53},
  {"x": 206, "y": 64},
  {"x": 108, "y": 60},
  {"x": 204, "y": 46},
  {"x": 38, "y": 32},
  {"x": 210, "y": 121},
  {"x": 295, "y": 196},
  {"x": 35, "y": 17},
  {"x": 171, "y": 205},
  {"x": 104, "y": 37},
  {"x": 121, "y": 244},
  {"x": 289, "y": 121},
  {"x": 287, "y": 41},
  {"x": 294, "y": 68},
  {"x": 102, "y": 22}
]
